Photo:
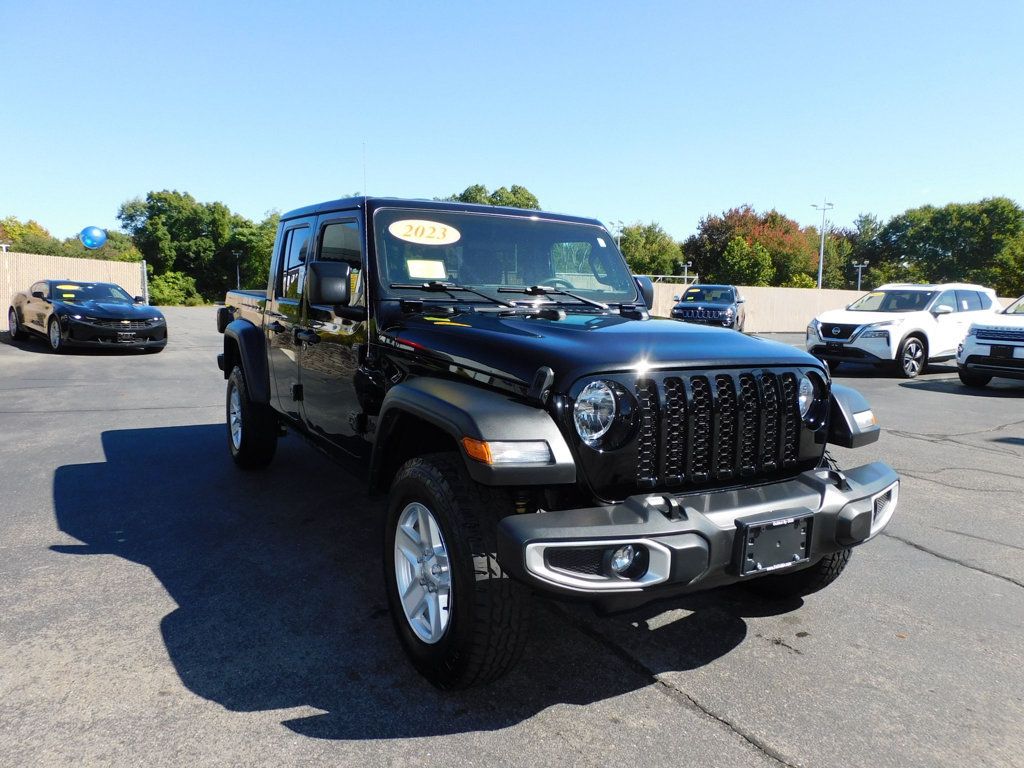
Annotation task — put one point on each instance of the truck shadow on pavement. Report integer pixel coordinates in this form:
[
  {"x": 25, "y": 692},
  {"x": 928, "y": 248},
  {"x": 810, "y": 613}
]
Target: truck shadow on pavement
[{"x": 276, "y": 576}]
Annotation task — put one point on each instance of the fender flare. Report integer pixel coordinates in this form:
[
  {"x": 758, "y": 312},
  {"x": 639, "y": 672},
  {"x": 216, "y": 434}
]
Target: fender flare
[
  {"x": 244, "y": 345},
  {"x": 464, "y": 410},
  {"x": 844, "y": 430}
]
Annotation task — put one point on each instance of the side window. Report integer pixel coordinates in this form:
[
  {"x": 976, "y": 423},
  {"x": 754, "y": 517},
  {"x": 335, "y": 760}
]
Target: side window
[
  {"x": 341, "y": 241},
  {"x": 43, "y": 288},
  {"x": 294, "y": 263},
  {"x": 949, "y": 299},
  {"x": 968, "y": 301}
]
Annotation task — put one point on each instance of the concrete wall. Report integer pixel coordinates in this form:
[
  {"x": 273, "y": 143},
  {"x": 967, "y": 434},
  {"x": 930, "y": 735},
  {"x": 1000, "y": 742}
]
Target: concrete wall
[{"x": 19, "y": 270}]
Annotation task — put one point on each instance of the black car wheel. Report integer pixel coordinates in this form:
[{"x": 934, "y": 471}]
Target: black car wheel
[
  {"x": 54, "y": 335},
  {"x": 974, "y": 379},
  {"x": 252, "y": 427},
  {"x": 17, "y": 334},
  {"x": 460, "y": 617}
]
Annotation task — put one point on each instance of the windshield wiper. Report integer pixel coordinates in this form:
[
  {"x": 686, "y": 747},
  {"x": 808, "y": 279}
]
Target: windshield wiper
[
  {"x": 542, "y": 290},
  {"x": 437, "y": 287}
]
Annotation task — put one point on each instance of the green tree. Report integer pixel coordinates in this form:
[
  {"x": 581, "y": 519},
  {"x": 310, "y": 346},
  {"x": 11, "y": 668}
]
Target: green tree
[
  {"x": 173, "y": 288},
  {"x": 515, "y": 197},
  {"x": 649, "y": 250},
  {"x": 743, "y": 263}
]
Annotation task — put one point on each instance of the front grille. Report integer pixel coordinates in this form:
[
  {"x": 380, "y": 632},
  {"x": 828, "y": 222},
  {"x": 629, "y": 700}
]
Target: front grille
[
  {"x": 1002, "y": 334},
  {"x": 838, "y": 331},
  {"x": 716, "y": 427},
  {"x": 122, "y": 325},
  {"x": 700, "y": 314}
]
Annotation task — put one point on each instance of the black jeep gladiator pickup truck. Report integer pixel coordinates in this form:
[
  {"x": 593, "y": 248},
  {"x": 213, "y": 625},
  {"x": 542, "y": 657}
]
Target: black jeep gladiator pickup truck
[{"x": 497, "y": 373}]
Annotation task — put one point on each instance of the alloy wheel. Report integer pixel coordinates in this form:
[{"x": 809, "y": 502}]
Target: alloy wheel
[
  {"x": 12, "y": 322},
  {"x": 422, "y": 573},
  {"x": 235, "y": 418},
  {"x": 54, "y": 335},
  {"x": 913, "y": 358}
]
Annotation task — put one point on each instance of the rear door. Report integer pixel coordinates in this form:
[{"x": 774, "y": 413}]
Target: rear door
[
  {"x": 329, "y": 358},
  {"x": 284, "y": 313}
]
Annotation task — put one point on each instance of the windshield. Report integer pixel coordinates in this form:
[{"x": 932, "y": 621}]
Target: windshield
[
  {"x": 892, "y": 301},
  {"x": 492, "y": 251},
  {"x": 1017, "y": 308},
  {"x": 75, "y": 293},
  {"x": 710, "y": 294}
]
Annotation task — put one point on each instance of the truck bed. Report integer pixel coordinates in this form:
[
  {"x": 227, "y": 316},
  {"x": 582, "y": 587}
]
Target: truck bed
[{"x": 246, "y": 305}]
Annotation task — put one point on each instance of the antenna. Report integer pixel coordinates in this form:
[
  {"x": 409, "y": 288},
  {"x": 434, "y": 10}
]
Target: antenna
[{"x": 365, "y": 192}]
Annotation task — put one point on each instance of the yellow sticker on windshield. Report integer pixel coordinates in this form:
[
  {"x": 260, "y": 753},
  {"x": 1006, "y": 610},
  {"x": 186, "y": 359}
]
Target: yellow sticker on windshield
[
  {"x": 67, "y": 295},
  {"x": 426, "y": 269},
  {"x": 423, "y": 232},
  {"x": 68, "y": 287}
]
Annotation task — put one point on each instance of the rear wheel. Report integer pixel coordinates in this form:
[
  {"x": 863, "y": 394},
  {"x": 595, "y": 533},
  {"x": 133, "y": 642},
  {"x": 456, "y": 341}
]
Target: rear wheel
[
  {"x": 459, "y": 616},
  {"x": 912, "y": 357},
  {"x": 973, "y": 379},
  {"x": 252, "y": 427},
  {"x": 17, "y": 333}
]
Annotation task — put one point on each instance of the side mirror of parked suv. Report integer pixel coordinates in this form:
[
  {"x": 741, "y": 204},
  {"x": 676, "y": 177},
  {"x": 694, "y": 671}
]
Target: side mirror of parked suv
[
  {"x": 646, "y": 289},
  {"x": 943, "y": 309},
  {"x": 329, "y": 283}
]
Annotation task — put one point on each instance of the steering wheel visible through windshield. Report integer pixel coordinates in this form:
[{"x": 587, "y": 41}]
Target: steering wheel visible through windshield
[{"x": 492, "y": 251}]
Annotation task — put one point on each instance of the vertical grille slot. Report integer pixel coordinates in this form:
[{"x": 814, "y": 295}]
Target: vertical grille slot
[
  {"x": 790, "y": 419},
  {"x": 750, "y": 411},
  {"x": 770, "y": 430},
  {"x": 700, "y": 429},
  {"x": 674, "y": 430},
  {"x": 647, "y": 461},
  {"x": 728, "y": 413}
]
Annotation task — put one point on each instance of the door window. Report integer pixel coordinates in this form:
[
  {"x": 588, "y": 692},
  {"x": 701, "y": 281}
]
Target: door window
[
  {"x": 968, "y": 301},
  {"x": 341, "y": 241},
  {"x": 949, "y": 299},
  {"x": 294, "y": 263},
  {"x": 42, "y": 288}
]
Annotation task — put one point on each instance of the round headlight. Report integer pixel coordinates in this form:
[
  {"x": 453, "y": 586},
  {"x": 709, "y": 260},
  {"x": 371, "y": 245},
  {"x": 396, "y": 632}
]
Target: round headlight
[
  {"x": 805, "y": 396},
  {"x": 594, "y": 411}
]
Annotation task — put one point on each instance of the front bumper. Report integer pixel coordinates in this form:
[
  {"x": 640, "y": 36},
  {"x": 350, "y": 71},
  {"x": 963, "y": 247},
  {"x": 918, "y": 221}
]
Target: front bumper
[
  {"x": 82, "y": 333},
  {"x": 874, "y": 350},
  {"x": 690, "y": 540},
  {"x": 975, "y": 357}
]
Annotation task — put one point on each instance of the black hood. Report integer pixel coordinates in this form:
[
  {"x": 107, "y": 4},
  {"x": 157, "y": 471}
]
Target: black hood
[
  {"x": 110, "y": 310},
  {"x": 515, "y": 346}
]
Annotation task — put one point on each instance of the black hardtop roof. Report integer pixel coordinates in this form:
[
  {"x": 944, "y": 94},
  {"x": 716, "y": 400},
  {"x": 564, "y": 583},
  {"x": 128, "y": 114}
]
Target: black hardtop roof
[{"x": 372, "y": 203}]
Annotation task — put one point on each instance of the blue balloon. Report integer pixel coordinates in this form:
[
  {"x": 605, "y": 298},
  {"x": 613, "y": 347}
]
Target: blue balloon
[{"x": 93, "y": 237}]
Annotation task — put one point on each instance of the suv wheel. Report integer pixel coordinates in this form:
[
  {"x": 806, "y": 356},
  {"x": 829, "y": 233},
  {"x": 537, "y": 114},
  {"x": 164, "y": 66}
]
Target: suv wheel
[
  {"x": 252, "y": 427},
  {"x": 17, "y": 334},
  {"x": 461, "y": 619},
  {"x": 912, "y": 357},
  {"x": 974, "y": 379}
]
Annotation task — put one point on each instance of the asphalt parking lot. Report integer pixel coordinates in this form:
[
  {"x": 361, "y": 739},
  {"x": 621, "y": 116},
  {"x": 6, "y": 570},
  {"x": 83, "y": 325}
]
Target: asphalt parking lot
[{"x": 160, "y": 607}]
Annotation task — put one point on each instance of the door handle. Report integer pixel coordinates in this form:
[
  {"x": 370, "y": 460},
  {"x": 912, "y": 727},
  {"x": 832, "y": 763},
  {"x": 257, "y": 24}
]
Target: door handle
[
  {"x": 276, "y": 327},
  {"x": 306, "y": 336}
]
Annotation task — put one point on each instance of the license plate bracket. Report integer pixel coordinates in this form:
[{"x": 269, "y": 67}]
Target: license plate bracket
[
  {"x": 1002, "y": 351},
  {"x": 773, "y": 541},
  {"x": 126, "y": 335},
  {"x": 833, "y": 345}
]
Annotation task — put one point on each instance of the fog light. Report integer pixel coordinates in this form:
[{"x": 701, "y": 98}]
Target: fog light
[{"x": 622, "y": 559}]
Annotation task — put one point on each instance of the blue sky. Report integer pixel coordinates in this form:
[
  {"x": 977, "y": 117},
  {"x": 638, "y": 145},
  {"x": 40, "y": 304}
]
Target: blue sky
[{"x": 636, "y": 111}]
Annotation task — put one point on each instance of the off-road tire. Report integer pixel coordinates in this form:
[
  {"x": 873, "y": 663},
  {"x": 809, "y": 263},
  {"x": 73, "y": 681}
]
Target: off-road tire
[
  {"x": 259, "y": 426},
  {"x": 901, "y": 366},
  {"x": 975, "y": 380},
  {"x": 804, "y": 582},
  {"x": 17, "y": 332},
  {"x": 490, "y": 613}
]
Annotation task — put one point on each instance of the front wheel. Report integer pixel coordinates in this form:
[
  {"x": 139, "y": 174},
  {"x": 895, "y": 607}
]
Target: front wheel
[
  {"x": 54, "y": 336},
  {"x": 973, "y": 379},
  {"x": 912, "y": 357},
  {"x": 17, "y": 333},
  {"x": 459, "y": 616},
  {"x": 252, "y": 427}
]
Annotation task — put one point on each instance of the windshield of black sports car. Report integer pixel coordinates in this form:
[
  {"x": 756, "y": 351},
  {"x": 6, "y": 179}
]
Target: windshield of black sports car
[
  {"x": 76, "y": 293},
  {"x": 496, "y": 254},
  {"x": 892, "y": 301}
]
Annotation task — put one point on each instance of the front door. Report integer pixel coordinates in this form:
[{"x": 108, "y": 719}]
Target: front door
[
  {"x": 329, "y": 358},
  {"x": 284, "y": 314},
  {"x": 948, "y": 328}
]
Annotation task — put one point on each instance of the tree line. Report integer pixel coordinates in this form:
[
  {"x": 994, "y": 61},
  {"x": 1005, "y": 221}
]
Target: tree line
[{"x": 192, "y": 248}]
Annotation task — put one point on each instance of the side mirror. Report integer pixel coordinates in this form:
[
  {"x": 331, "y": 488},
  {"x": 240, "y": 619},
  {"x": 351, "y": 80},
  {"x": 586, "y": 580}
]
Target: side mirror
[
  {"x": 139, "y": 300},
  {"x": 329, "y": 283},
  {"x": 38, "y": 295},
  {"x": 677, "y": 298},
  {"x": 740, "y": 300},
  {"x": 943, "y": 309},
  {"x": 646, "y": 289}
]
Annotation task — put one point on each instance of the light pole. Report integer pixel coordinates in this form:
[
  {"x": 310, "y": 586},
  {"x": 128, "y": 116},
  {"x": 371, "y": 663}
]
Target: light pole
[
  {"x": 825, "y": 206},
  {"x": 859, "y": 267},
  {"x": 686, "y": 270},
  {"x": 617, "y": 225},
  {"x": 238, "y": 272}
]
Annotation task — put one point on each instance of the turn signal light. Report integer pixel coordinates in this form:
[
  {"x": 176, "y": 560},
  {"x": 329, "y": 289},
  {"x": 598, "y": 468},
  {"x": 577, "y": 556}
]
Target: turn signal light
[{"x": 507, "y": 451}]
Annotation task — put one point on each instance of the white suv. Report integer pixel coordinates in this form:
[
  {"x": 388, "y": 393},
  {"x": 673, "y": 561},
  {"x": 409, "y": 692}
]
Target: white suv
[
  {"x": 910, "y": 325},
  {"x": 994, "y": 346}
]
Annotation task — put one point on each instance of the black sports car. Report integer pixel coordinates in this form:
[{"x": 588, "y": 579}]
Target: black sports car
[
  {"x": 711, "y": 305},
  {"x": 69, "y": 313}
]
